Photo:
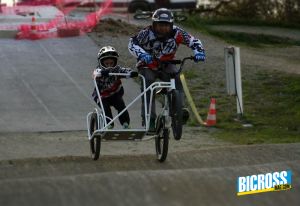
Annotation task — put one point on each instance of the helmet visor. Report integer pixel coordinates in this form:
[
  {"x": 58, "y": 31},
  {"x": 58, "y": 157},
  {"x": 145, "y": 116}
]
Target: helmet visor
[{"x": 162, "y": 29}]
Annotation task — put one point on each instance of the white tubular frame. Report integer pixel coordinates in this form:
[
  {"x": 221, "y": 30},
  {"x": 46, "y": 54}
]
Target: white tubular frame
[{"x": 101, "y": 114}]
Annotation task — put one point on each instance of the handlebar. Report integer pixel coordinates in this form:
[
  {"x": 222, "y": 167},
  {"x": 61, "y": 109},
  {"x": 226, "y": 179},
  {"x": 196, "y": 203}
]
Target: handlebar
[
  {"x": 119, "y": 74},
  {"x": 116, "y": 74},
  {"x": 165, "y": 62},
  {"x": 176, "y": 61}
]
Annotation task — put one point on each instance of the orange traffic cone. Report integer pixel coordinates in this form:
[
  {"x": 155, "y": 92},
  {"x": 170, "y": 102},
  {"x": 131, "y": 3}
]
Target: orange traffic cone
[
  {"x": 212, "y": 114},
  {"x": 33, "y": 30}
]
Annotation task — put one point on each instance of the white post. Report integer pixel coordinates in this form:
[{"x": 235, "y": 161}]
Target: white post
[
  {"x": 229, "y": 68},
  {"x": 238, "y": 80},
  {"x": 233, "y": 76}
]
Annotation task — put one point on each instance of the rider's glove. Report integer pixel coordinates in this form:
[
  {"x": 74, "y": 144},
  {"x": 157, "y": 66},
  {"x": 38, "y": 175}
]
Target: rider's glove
[
  {"x": 97, "y": 73},
  {"x": 199, "y": 56},
  {"x": 134, "y": 74},
  {"x": 105, "y": 72},
  {"x": 145, "y": 57}
]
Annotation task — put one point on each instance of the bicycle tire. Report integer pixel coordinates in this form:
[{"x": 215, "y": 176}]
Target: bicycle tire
[
  {"x": 142, "y": 15},
  {"x": 176, "y": 113},
  {"x": 95, "y": 142},
  {"x": 162, "y": 141}
]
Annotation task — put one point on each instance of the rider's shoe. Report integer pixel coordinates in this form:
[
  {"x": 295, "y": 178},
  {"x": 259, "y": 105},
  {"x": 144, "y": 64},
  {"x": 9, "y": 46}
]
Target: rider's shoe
[
  {"x": 143, "y": 122},
  {"x": 126, "y": 125},
  {"x": 185, "y": 115}
]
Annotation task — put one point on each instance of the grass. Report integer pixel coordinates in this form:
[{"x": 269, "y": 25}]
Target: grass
[
  {"x": 242, "y": 38},
  {"x": 271, "y": 105},
  {"x": 253, "y": 40},
  {"x": 246, "y": 22},
  {"x": 271, "y": 99}
]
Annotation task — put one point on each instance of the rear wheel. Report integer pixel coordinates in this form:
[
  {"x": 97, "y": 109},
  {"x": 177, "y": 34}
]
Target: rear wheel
[
  {"x": 176, "y": 113},
  {"x": 95, "y": 142},
  {"x": 161, "y": 140}
]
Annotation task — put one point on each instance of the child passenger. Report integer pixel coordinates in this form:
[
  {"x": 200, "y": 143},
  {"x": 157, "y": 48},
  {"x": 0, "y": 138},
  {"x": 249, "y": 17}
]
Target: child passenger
[{"x": 110, "y": 87}]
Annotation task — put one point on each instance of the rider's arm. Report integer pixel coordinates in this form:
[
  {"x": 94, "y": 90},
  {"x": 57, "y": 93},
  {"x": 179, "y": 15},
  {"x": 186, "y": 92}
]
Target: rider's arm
[
  {"x": 182, "y": 37},
  {"x": 119, "y": 69},
  {"x": 126, "y": 71},
  {"x": 136, "y": 42}
]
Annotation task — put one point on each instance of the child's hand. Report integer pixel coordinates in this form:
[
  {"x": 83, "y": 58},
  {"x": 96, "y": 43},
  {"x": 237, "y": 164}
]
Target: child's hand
[
  {"x": 100, "y": 73},
  {"x": 134, "y": 74},
  {"x": 96, "y": 73}
]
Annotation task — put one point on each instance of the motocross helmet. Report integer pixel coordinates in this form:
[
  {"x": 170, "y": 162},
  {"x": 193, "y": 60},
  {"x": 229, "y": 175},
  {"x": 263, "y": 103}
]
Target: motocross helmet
[
  {"x": 107, "y": 52},
  {"x": 162, "y": 18}
]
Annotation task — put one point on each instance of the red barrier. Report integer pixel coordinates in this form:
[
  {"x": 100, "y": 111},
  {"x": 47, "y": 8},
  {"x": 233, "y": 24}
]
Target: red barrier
[
  {"x": 59, "y": 27},
  {"x": 36, "y": 3}
]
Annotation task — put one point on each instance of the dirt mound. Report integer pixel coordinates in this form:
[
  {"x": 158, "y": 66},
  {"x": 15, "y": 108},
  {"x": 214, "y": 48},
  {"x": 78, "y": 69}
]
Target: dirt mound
[{"x": 115, "y": 28}]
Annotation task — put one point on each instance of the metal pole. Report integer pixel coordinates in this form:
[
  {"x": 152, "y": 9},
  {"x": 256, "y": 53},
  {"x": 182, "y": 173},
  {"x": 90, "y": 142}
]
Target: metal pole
[
  {"x": 233, "y": 76},
  {"x": 238, "y": 80}
]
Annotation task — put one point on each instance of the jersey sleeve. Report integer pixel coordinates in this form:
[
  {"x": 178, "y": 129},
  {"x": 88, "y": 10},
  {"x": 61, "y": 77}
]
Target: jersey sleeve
[
  {"x": 183, "y": 37},
  {"x": 123, "y": 69},
  {"x": 136, "y": 41}
]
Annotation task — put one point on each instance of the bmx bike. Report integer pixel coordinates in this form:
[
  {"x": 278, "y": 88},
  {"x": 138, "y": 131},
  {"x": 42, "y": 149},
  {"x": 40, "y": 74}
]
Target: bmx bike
[
  {"x": 139, "y": 15},
  {"x": 169, "y": 117}
]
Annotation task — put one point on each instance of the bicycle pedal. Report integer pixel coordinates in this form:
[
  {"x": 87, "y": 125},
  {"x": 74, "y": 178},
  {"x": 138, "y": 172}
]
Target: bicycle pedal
[{"x": 162, "y": 91}]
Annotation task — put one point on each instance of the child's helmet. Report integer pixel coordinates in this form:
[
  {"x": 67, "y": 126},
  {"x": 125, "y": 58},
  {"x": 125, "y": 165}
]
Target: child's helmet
[{"x": 107, "y": 52}]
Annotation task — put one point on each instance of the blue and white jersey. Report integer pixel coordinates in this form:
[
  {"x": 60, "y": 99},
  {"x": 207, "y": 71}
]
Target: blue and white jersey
[{"x": 146, "y": 42}]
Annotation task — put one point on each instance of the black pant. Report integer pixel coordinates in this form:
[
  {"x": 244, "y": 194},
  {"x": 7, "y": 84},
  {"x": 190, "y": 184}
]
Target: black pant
[{"x": 116, "y": 100}]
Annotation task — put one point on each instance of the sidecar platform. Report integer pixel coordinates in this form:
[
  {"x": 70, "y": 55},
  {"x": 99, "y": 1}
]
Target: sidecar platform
[{"x": 122, "y": 135}]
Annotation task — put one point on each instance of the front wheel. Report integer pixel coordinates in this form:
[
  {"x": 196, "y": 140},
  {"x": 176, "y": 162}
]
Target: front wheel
[
  {"x": 95, "y": 142},
  {"x": 176, "y": 113},
  {"x": 161, "y": 141}
]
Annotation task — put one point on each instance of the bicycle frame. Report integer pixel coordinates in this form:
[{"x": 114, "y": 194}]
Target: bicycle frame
[
  {"x": 101, "y": 120},
  {"x": 103, "y": 125}
]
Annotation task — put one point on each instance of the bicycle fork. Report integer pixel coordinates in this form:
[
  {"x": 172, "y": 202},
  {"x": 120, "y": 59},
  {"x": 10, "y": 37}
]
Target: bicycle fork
[{"x": 167, "y": 104}]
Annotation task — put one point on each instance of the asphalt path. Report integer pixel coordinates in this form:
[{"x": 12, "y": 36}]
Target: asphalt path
[{"x": 46, "y": 85}]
